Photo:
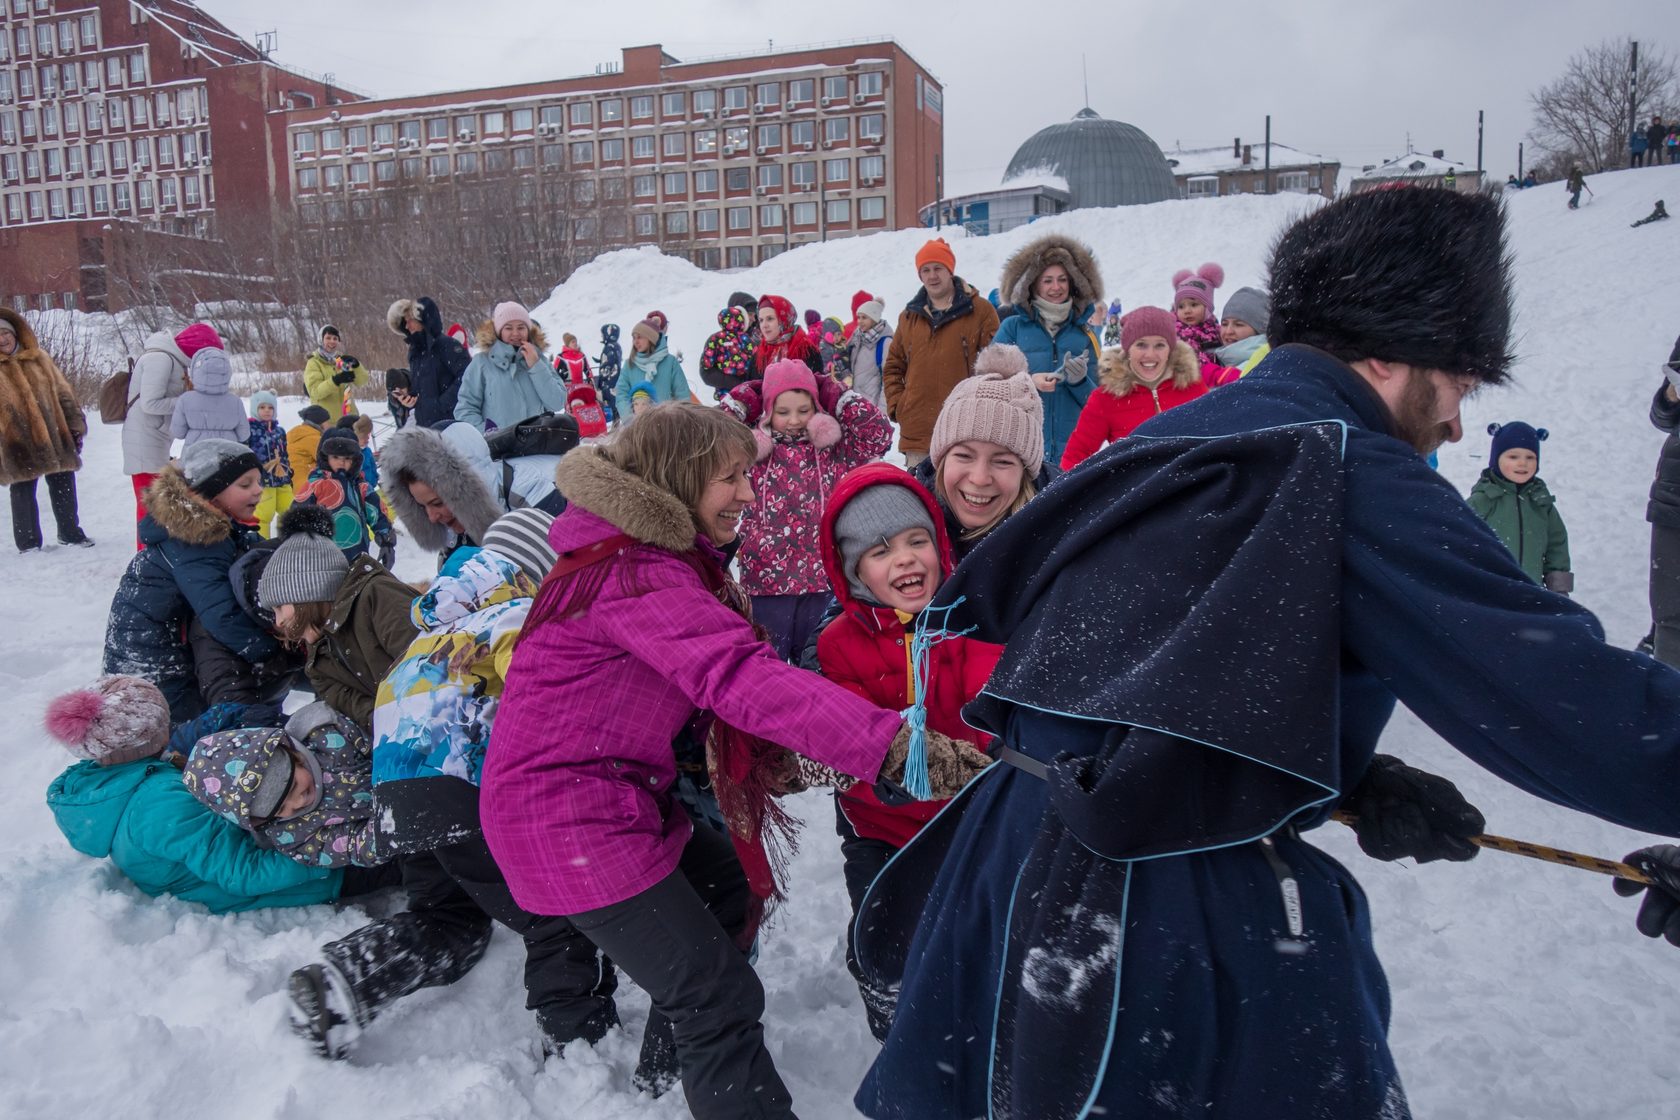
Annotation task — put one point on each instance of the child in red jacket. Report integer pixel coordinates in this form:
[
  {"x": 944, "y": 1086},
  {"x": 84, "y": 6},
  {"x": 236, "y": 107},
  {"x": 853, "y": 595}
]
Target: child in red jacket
[
  {"x": 886, "y": 552},
  {"x": 1152, "y": 371}
]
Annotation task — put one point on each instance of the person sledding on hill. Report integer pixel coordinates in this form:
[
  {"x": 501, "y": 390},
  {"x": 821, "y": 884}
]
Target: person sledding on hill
[
  {"x": 1153, "y": 371},
  {"x": 1513, "y": 499},
  {"x": 886, "y": 552},
  {"x": 1657, "y": 214},
  {"x": 336, "y": 486},
  {"x": 1124, "y": 916}
]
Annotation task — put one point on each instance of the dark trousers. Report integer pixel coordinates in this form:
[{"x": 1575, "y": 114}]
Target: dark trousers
[
  {"x": 568, "y": 982},
  {"x": 791, "y": 620},
  {"x": 1638, "y": 160},
  {"x": 26, "y": 513},
  {"x": 677, "y": 941},
  {"x": 1665, "y": 593},
  {"x": 864, "y": 859},
  {"x": 436, "y": 941}
]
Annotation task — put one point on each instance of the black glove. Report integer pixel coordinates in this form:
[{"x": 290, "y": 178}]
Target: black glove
[
  {"x": 343, "y": 377},
  {"x": 1659, "y": 914},
  {"x": 1405, "y": 812}
]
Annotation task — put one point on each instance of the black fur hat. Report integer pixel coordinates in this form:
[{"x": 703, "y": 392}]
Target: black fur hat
[{"x": 1418, "y": 275}]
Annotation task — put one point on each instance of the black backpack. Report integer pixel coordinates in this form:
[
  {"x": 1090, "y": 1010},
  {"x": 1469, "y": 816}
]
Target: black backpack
[{"x": 548, "y": 433}]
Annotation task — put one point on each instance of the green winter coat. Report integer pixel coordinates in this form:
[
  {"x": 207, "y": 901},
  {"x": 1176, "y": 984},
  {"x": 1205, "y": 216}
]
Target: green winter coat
[
  {"x": 142, "y": 818},
  {"x": 371, "y": 626},
  {"x": 1526, "y": 519},
  {"x": 318, "y": 375}
]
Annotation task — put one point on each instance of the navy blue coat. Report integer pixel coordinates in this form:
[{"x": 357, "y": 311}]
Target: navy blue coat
[
  {"x": 435, "y": 365},
  {"x": 183, "y": 571},
  {"x": 1223, "y": 1012}
]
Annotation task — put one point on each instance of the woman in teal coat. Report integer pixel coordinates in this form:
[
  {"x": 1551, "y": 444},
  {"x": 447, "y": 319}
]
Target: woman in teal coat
[
  {"x": 1055, "y": 287},
  {"x": 650, "y": 361},
  {"x": 125, "y": 802},
  {"x": 510, "y": 378}
]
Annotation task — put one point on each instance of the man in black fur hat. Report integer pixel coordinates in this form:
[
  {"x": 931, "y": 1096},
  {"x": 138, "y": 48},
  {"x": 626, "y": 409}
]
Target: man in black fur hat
[{"x": 1125, "y": 915}]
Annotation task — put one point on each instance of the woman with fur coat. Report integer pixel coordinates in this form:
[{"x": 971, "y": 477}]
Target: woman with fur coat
[
  {"x": 1152, "y": 371},
  {"x": 1055, "y": 287},
  {"x": 41, "y": 433},
  {"x": 510, "y": 378}
]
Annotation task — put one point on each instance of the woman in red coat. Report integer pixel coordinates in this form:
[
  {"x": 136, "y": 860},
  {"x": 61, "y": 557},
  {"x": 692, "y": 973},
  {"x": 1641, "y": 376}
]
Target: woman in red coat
[
  {"x": 781, "y": 337},
  {"x": 1151, "y": 372},
  {"x": 886, "y": 552}
]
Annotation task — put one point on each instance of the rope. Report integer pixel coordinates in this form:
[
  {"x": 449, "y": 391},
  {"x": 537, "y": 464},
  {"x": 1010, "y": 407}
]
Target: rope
[
  {"x": 928, "y": 634},
  {"x": 1541, "y": 852}
]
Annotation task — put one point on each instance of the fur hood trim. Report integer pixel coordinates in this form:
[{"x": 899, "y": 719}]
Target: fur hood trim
[
  {"x": 1115, "y": 374},
  {"x": 486, "y": 336},
  {"x": 425, "y": 455},
  {"x": 587, "y": 479},
  {"x": 1030, "y": 260},
  {"x": 183, "y": 513},
  {"x": 26, "y": 344},
  {"x": 400, "y": 310}
]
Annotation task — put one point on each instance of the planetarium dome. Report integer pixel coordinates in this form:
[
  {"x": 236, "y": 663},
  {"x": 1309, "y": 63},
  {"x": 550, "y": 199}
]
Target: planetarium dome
[{"x": 1104, "y": 162}]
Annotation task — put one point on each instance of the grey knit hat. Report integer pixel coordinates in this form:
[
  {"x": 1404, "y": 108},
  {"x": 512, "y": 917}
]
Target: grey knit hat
[
  {"x": 1252, "y": 305},
  {"x": 212, "y": 465},
  {"x": 307, "y": 567},
  {"x": 522, "y": 536},
  {"x": 874, "y": 514}
]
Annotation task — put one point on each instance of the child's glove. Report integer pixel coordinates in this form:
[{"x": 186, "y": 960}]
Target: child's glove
[
  {"x": 1659, "y": 914},
  {"x": 1561, "y": 582},
  {"x": 1405, "y": 812}
]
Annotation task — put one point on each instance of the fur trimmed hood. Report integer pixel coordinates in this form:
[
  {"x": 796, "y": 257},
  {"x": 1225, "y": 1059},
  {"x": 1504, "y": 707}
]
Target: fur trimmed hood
[
  {"x": 26, "y": 344},
  {"x": 1024, "y": 266},
  {"x": 1115, "y": 374},
  {"x": 400, "y": 310},
  {"x": 183, "y": 513},
  {"x": 588, "y": 480},
  {"x": 428, "y": 457},
  {"x": 486, "y": 336}
]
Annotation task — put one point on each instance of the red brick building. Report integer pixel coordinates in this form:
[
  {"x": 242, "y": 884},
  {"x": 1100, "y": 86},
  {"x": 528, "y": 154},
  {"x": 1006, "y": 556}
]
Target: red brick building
[{"x": 131, "y": 132}]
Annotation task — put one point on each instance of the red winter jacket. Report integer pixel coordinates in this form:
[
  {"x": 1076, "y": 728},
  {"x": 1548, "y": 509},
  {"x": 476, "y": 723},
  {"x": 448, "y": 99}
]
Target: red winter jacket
[
  {"x": 867, "y": 651},
  {"x": 1122, "y": 402},
  {"x": 572, "y": 366}
]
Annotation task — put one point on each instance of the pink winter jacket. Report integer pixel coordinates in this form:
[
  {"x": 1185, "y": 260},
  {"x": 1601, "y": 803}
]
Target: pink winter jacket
[{"x": 576, "y": 798}]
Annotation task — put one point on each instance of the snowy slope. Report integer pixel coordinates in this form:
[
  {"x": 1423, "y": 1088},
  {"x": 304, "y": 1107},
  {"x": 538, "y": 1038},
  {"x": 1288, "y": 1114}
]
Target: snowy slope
[{"x": 1520, "y": 990}]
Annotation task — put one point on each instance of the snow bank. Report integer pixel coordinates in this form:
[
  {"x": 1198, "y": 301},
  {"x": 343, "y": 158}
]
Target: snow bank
[{"x": 1520, "y": 990}]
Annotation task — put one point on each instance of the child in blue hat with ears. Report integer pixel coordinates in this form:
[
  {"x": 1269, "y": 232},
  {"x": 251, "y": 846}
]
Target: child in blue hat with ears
[{"x": 1514, "y": 501}]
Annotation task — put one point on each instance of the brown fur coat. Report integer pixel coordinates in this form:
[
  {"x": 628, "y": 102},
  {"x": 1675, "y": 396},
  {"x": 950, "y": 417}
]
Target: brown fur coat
[
  {"x": 1085, "y": 284},
  {"x": 41, "y": 425}
]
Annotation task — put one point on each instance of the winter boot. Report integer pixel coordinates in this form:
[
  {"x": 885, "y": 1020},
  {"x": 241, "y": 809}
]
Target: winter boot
[
  {"x": 324, "y": 1010},
  {"x": 657, "y": 1068}
]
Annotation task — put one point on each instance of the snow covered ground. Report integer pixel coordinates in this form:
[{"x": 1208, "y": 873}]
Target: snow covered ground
[{"x": 1521, "y": 990}]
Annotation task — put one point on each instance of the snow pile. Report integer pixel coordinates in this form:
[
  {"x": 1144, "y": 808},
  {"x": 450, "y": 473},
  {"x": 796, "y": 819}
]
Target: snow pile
[{"x": 1520, "y": 989}]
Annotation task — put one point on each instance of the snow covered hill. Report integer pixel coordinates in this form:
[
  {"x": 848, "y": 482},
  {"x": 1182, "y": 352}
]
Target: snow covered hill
[{"x": 1520, "y": 990}]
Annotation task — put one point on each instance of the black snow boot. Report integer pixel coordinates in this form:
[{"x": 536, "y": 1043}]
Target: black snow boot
[{"x": 324, "y": 1010}]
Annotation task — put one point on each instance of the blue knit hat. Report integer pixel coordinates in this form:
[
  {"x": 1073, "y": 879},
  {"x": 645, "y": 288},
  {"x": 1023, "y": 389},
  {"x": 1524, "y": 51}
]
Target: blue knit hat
[{"x": 1516, "y": 434}]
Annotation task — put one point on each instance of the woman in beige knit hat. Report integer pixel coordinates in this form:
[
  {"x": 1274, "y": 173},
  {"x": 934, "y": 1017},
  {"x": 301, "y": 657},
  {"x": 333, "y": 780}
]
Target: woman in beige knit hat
[{"x": 986, "y": 456}]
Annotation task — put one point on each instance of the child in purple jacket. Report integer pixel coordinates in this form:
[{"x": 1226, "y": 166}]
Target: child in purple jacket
[{"x": 641, "y": 630}]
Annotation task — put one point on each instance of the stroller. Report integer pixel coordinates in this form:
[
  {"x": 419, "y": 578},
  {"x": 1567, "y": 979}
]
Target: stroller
[{"x": 586, "y": 409}]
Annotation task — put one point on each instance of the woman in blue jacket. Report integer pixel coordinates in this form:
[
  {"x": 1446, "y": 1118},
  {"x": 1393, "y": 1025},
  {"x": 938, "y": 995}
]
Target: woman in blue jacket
[
  {"x": 510, "y": 378},
  {"x": 1054, "y": 286}
]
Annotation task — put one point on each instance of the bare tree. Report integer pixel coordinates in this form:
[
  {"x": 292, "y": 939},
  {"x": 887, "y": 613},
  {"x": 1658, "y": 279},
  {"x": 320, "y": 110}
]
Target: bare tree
[{"x": 1583, "y": 114}]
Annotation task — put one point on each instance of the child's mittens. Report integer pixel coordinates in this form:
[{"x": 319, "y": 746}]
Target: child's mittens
[
  {"x": 823, "y": 430},
  {"x": 1561, "y": 582}
]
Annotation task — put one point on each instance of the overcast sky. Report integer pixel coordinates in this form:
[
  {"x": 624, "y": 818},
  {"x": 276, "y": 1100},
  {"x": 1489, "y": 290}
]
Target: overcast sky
[{"x": 1340, "y": 79}]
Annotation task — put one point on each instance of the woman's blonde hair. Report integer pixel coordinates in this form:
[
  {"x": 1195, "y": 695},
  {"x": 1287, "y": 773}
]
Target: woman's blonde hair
[
  {"x": 680, "y": 447},
  {"x": 1027, "y": 491}
]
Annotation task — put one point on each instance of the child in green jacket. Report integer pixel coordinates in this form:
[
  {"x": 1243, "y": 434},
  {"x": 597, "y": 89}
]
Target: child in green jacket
[{"x": 1514, "y": 501}]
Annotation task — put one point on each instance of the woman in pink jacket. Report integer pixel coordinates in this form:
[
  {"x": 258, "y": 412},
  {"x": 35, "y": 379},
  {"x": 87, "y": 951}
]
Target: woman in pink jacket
[{"x": 639, "y": 638}]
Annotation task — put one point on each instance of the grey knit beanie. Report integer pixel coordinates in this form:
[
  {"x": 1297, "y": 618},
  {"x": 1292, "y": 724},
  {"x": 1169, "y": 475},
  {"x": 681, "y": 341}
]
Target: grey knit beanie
[
  {"x": 307, "y": 567},
  {"x": 874, "y": 514},
  {"x": 522, "y": 536},
  {"x": 1252, "y": 306},
  {"x": 212, "y": 465}
]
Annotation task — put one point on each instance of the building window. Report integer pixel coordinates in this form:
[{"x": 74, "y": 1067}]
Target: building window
[
  {"x": 186, "y": 105},
  {"x": 90, "y": 71},
  {"x": 554, "y": 115},
  {"x": 332, "y": 176},
  {"x": 837, "y": 130},
  {"x": 9, "y": 167},
  {"x": 90, "y": 31},
  {"x": 770, "y": 216},
  {"x": 805, "y": 174},
  {"x": 708, "y": 259},
  {"x": 839, "y": 211},
  {"x": 673, "y": 104},
  {"x": 411, "y": 167},
  {"x": 769, "y": 135},
  {"x": 495, "y": 124},
  {"x": 332, "y": 139},
  {"x": 705, "y": 221},
  {"x": 834, "y": 89},
  {"x": 641, "y": 147},
  {"x": 73, "y": 116},
  {"x": 612, "y": 110},
  {"x": 142, "y": 151},
  {"x": 32, "y": 164},
  {"x": 37, "y": 208},
  {"x": 1202, "y": 186},
  {"x": 676, "y": 184},
  {"x": 672, "y": 143},
  {"x": 612, "y": 189},
  {"x": 437, "y": 130},
  {"x": 645, "y": 225},
  {"x": 523, "y": 119},
  {"x": 802, "y": 91},
  {"x": 466, "y": 129},
  {"x": 872, "y": 209},
  {"x": 497, "y": 160},
  {"x": 137, "y": 68},
  {"x": 803, "y": 134},
  {"x": 1294, "y": 182},
  {"x": 117, "y": 110},
  {"x": 706, "y": 142},
  {"x": 189, "y": 190},
  {"x": 676, "y": 221},
  {"x": 78, "y": 202},
  {"x": 73, "y": 160},
  {"x": 43, "y": 38},
  {"x": 101, "y": 199},
  {"x": 96, "y": 159},
  {"x": 738, "y": 179},
  {"x": 552, "y": 155},
  {"x": 524, "y": 157},
  {"x": 869, "y": 83},
  {"x": 408, "y": 132},
  {"x": 308, "y": 178},
  {"x": 583, "y": 190},
  {"x": 644, "y": 186},
  {"x": 734, "y": 98},
  {"x": 121, "y": 200},
  {"x": 72, "y": 77},
  {"x": 705, "y": 101},
  {"x": 768, "y": 95},
  {"x": 739, "y": 219},
  {"x": 167, "y": 194},
  {"x": 49, "y": 82},
  {"x": 358, "y": 136},
  {"x": 872, "y": 127},
  {"x": 705, "y": 182},
  {"x": 66, "y": 36},
  {"x": 437, "y": 166},
  {"x": 583, "y": 114},
  {"x": 804, "y": 213},
  {"x": 770, "y": 176},
  {"x": 837, "y": 171},
  {"x": 872, "y": 168},
  {"x": 735, "y": 139},
  {"x": 466, "y": 163},
  {"x": 119, "y": 156},
  {"x": 384, "y": 135},
  {"x": 641, "y": 107},
  {"x": 740, "y": 256},
  {"x": 55, "y": 165},
  {"x": 584, "y": 229},
  {"x": 583, "y": 151},
  {"x": 359, "y": 175},
  {"x": 612, "y": 151}
]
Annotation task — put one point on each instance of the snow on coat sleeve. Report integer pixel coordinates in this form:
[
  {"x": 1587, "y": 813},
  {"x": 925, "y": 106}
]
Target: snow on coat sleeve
[
  {"x": 1516, "y": 677},
  {"x": 709, "y": 653}
]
